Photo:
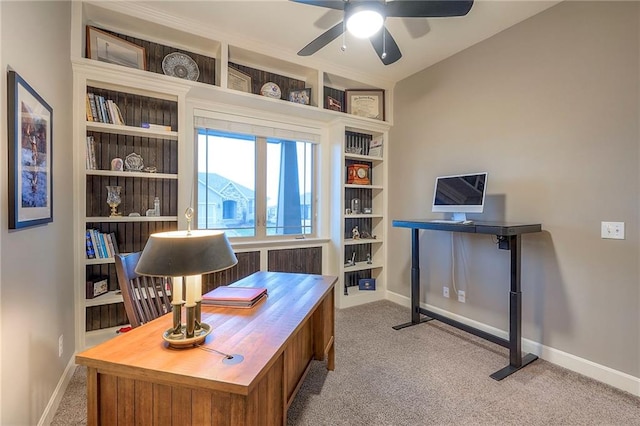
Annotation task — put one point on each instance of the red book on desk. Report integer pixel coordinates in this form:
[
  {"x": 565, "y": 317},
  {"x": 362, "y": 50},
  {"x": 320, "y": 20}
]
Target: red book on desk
[{"x": 240, "y": 297}]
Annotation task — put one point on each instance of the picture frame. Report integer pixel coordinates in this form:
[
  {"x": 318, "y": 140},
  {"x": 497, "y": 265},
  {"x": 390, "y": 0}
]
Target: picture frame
[
  {"x": 334, "y": 104},
  {"x": 237, "y": 80},
  {"x": 106, "y": 47},
  {"x": 300, "y": 96},
  {"x": 365, "y": 103},
  {"x": 30, "y": 130}
]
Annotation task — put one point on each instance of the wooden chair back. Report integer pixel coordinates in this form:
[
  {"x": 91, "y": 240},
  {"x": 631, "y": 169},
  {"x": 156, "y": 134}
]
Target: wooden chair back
[{"x": 145, "y": 298}]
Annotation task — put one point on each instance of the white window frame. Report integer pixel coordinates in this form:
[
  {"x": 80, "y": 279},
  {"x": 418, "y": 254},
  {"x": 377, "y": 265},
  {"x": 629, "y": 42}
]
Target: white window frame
[{"x": 262, "y": 130}]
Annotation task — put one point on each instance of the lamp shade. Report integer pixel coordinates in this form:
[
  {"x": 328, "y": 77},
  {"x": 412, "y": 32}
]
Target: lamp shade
[{"x": 183, "y": 253}]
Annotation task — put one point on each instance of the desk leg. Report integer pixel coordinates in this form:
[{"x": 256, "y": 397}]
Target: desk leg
[
  {"x": 516, "y": 361},
  {"x": 415, "y": 283}
]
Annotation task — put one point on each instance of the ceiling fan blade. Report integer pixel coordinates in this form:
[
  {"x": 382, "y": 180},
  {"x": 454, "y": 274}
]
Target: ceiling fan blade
[
  {"x": 330, "y": 4},
  {"x": 322, "y": 40},
  {"x": 386, "y": 47},
  {"x": 427, "y": 8},
  {"x": 417, "y": 27}
]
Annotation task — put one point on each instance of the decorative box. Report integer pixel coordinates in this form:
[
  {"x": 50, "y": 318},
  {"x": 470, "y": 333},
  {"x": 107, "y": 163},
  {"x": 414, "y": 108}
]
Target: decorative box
[
  {"x": 97, "y": 286},
  {"x": 367, "y": 284}
]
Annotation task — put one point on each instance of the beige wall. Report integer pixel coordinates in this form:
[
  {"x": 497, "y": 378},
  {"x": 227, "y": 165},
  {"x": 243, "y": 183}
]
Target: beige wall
[
  {"x": 36, "y": 266},
  {"x": 549, "y": 108}
]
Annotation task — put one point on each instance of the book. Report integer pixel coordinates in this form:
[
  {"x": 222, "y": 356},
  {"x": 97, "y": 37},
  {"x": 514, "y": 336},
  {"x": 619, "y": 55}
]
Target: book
[
  {"x": 114, "y": 242},
  {"x": 91, "y": 253},
  {"x": 110, "y": 247},
  {"x": 119, "y": 114},
  {"x": 91, "y": 154},
  {"x": 111, "y": 106},
  {"x": 156, "y": 127},
  {"x": 88, "y": 108},
  {"x": 96, "y": 246},
  {"x": 94, "y": 109},
  {"x": 103, "y": 246},
  {"x": 240, "y": 297}
]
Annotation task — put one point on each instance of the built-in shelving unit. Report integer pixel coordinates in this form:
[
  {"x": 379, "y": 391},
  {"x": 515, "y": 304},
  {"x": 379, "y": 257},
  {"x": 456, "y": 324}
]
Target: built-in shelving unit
[
  {"x": 361, "y": 254},
  {"x": 140, "y": 100},
  {"x": 147, "y": 95}
]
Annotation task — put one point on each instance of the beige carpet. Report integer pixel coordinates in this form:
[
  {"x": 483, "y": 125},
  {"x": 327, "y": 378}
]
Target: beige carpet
[{"x": 429, "y": 374}]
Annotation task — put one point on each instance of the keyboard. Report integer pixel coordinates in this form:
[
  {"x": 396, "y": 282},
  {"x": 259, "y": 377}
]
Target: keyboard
[{"x": 445, "y": 221}]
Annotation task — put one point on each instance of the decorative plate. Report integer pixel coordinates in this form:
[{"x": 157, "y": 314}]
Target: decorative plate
[
  {"x": 133, "y": 163},
  {"x": 271, "y": 90},
  {"x": 179, "y": 65}
]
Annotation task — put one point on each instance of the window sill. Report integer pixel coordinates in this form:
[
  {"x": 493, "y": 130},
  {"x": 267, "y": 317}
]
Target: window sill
[{"x": 278, "y": 243}]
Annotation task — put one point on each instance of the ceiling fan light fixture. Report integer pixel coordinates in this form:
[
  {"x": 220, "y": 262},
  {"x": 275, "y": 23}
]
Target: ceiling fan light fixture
[{"x": 363, "y": 21}]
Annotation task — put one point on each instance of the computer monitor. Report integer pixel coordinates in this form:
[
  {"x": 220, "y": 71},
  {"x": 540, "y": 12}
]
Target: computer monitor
[{"x": 460, "y": 194}]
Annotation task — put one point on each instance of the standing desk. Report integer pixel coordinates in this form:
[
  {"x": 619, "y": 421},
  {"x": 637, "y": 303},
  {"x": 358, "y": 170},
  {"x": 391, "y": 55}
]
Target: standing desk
[{"x": 509, "y": 238}]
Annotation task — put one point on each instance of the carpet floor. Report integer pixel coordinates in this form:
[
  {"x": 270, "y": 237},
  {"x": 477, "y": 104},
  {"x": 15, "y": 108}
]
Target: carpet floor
[{"x": 429, "y": 374}]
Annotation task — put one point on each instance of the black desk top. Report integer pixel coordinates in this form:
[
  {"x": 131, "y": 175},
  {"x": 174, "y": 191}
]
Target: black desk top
[{"x": 477, "y": 227}]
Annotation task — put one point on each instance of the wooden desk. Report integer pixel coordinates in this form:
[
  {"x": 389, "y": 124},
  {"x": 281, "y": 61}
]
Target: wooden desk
[
  {"x": 137, "y": 379},
  {"x": 509, "y": 237}
]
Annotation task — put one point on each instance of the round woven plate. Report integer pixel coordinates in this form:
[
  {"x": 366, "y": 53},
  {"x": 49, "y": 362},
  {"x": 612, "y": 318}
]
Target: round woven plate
[{"x": 179, "y": 65}]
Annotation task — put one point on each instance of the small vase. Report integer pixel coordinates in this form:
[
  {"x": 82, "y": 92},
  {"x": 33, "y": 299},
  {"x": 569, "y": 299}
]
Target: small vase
[{"x": 113, "y": 199}]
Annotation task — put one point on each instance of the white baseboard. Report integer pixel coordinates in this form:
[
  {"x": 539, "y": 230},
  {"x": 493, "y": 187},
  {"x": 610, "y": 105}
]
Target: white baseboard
[
  {"x": 58, "y": 393},
  {"x": 617, "y": 379}
]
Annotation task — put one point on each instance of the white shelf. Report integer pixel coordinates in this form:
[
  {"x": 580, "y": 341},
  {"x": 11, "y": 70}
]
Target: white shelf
[
  {"x": 142, "y": 175},
  {"x": 362, "y": 266},
  {"x": 130, "y": 130},
  {"x": 131, "y": 219},
  {"x": 359, "y": 297},
  {"x": 363, "y": 215},
  {"x": 352, "y": 185},
  {"x": 361, "y": 157},
  {"x": 351, "y": 241},
  {"x": 104, "y": 299},
  {"x": 102, "y": 261},
  {"x": 95, "y": 337}
]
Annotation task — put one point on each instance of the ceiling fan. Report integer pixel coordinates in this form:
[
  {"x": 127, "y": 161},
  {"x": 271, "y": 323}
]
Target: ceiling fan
[{"x": 365, "y": 19}]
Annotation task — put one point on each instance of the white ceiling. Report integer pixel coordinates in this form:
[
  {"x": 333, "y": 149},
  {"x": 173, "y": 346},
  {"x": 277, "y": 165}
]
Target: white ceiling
[{"x": 283, "y": 27}]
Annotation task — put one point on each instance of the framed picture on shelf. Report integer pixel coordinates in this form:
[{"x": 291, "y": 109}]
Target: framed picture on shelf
[
  {"x": 30, "y": 121},
  {"x": 375, "y": 147},
  {"x": 106, "y": 47},
  {"x": 301, "y": 96},
  {"x": 365, "y": 103},
  {"x": 238, "y": 80},
  {"x": 367, "y": 284},
  {"x": 334, "y": 104}
]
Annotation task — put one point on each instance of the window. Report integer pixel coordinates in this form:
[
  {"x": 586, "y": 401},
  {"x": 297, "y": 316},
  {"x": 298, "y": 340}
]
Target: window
[{"x": 254, "y": 186}]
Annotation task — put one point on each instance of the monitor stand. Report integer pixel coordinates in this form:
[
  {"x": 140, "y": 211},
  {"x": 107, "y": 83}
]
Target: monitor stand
[{"x": 459, "y": 217}]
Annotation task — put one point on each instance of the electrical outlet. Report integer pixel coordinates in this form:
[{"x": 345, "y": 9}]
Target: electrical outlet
[
  {"x": 462, "y": 296},
  {"x": 612, "y": 230},
  {"x": 445, "y": 292},
  {"x": 60, "y": 345}
]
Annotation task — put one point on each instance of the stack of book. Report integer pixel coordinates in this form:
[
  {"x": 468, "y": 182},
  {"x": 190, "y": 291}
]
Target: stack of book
[
  {"x": 236, "y": 297},
  {"x": 101, "y": 245},
  {"x": 103, "y": 110}
]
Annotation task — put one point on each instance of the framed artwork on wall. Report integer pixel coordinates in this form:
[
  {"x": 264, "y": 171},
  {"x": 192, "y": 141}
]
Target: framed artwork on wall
[{"x": 30, "y": 128}]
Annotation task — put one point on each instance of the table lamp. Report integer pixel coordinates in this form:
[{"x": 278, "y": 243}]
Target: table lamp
[{"x": 185, "y": 256}]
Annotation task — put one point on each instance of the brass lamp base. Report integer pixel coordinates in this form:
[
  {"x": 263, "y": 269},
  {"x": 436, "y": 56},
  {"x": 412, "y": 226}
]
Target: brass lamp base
[{"x": 180, "y": 341}]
